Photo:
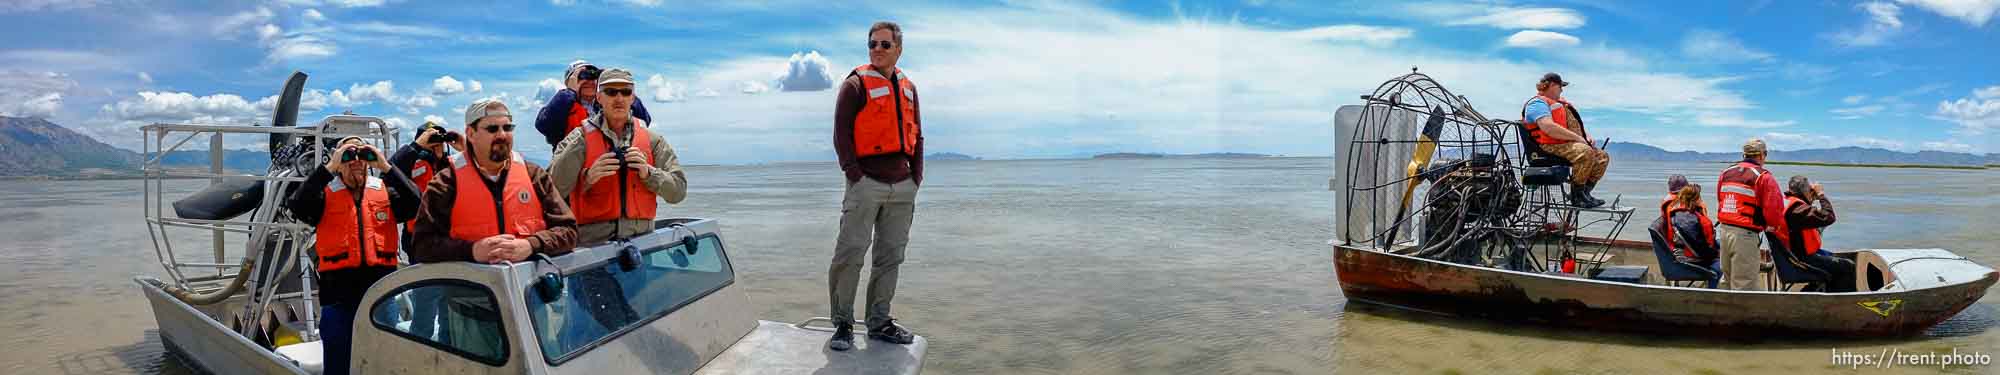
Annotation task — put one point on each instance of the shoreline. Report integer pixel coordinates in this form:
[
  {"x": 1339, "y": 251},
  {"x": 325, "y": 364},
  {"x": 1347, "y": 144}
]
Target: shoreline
[{"x": 1865, "y": 165}]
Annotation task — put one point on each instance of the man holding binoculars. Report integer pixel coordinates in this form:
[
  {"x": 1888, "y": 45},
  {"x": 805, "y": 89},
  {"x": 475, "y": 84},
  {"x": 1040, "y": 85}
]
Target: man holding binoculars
[
  {"x": 613, "y": 169},
  {"x": 355, "y": 241},
  {"x": 576, "y": 102}
]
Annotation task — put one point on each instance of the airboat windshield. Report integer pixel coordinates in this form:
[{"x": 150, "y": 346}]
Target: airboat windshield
[{"x": 600, "y": 302}]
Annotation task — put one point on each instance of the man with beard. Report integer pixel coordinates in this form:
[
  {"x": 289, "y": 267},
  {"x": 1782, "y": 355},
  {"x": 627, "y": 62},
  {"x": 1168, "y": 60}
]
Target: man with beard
[{"x": 459, "y": 221}]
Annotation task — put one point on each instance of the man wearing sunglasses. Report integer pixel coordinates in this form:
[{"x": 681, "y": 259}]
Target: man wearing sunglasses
[
  {"x": 621, "y": 170},
  {"x": 491, "y": 206},
  {"x": 354, "y": 219},
  {"x": 576, "y": 102},
  {"x": 878, "y": 137}
]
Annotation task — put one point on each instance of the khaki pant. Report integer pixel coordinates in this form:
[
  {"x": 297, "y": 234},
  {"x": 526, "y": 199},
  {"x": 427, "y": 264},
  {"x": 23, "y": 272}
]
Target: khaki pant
[
  {"x": 1586, "y": 164},
  {"x": 1742, "y": 258},
  {"x": 877, "y": 214}
]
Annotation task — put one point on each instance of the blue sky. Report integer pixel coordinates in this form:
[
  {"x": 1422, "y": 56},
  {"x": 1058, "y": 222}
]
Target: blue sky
[{"x": 739, "y": 82}]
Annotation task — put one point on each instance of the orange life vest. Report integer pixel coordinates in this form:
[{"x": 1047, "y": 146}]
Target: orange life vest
[
  {"x": 1737, "y": 192},
  {"x": 356, "y": 234},
  {"x": 421, "y": 173},
  {"x": 476, "y": 214},
  {"x": 1811, "y": 235},
  {"x": 577, "y": 113},
  {"x": 1667, "y": 210},
  {"x": 601, "y": 202},
  {"x": 1558, "y": 111},
  {"x": 887, "y": 124}
]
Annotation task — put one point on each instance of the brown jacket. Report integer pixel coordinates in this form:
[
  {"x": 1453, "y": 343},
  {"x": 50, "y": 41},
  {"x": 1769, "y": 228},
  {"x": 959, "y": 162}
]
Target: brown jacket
[
  {"x": 431, "y": 241},
  {"x": 888, "y": 168}
]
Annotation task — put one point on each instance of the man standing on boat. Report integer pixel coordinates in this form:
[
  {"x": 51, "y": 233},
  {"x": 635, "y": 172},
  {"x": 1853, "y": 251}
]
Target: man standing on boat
[
  {"x": 877, "y": 135},
  {"x": 354, "y": 219},
  {"x": 1555, "y": 125},
  {"x": 1807, "y": 212},
  {"x": 616, "y": 180},
  {"x": 502, "y": 210},
  {"x": 576, "y": 102},
  {"x": 1749, "y": 203}
]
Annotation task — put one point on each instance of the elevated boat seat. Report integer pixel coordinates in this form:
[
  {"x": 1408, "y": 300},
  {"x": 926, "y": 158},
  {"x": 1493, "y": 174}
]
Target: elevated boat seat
[{"x": 1543, "y": 169}]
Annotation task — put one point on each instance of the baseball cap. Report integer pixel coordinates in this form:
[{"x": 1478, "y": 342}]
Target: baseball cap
[
  {"x": 614, "y": 75},
  {"x": 1553, "y": 77},
  {"x": 485, "y": 107},
  {"x": 1753, "y": 147}
]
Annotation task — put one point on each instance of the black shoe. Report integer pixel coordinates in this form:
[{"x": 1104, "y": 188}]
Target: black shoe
[
  {"x": 892, "y": 333},
  {"x": 1581, "y": 197},
  {"x": 843, "y": 338}
]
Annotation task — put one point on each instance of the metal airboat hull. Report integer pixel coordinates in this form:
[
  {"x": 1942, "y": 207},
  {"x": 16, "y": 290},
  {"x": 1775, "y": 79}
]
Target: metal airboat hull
[{"x": 1925, "y": 296}]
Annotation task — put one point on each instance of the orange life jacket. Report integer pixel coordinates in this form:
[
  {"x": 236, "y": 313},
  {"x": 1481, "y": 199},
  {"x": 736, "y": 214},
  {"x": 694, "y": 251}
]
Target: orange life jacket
[
  {"x": 887, "y": 124},
  {"x": 1811, "y": 235},
  {"x": 476, "y": 214},
  {"x": 1737, "y": 192},
  {"x": 577, "y": 113},
  {"x": 421, "y": 173},
  {"x": 356, "y": 234},
  {"x": 602, "y": 201},
  {"x": 1558, "y": 112},
  {"x": 1667, "y": 210}
]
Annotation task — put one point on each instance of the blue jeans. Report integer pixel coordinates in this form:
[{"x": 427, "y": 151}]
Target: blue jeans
[
  {"x": 1717, "y": 267},
  {"x": 336, "y": 334}
]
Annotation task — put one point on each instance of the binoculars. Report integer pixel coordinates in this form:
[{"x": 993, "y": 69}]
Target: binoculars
[
  {"x": 443, "y": 136},
  {"x": 589, "y": 73},
  {"x": 358, "y": 153}
]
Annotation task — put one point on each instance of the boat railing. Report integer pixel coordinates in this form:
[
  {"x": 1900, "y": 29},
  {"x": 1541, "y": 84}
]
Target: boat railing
[{"x": 273, "y": 244}]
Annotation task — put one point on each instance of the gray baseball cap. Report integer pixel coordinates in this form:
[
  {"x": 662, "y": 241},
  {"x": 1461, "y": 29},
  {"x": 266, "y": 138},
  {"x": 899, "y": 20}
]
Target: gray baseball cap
[
  {"x": 614, "y": 75},
  {"x": 485, "y": 107}
]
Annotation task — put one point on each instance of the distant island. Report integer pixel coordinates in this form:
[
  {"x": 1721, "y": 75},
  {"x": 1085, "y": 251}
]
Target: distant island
[
  {"x": 1211, "y": 155},
  {"x": 1849, "y": 156},
  {"x": 949, "y": 156}
]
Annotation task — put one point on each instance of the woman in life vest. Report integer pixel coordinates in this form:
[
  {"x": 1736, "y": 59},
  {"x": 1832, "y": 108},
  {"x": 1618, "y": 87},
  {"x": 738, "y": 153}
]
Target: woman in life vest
[
  {"x": 355, "y": 239},
  {"x": 1807, "y": 213},
  {"x": 1685, "y": 225}
]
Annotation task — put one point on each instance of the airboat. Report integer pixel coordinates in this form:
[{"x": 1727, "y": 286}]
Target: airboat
[
  {"x": 680, "y": 310},
  {"x": 1443, "y": 210}
]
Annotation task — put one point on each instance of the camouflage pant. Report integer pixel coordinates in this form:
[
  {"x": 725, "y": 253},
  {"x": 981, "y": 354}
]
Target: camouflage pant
[{"x": 1586, "y": 164}]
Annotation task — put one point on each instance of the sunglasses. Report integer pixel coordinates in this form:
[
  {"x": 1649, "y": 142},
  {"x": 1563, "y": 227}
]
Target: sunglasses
[
  {"x": 880, "y": 44},
  {"x": 363, "y": 153},
  {"x": 617, "y": 92},
  {"x": 498, "y": 128}
]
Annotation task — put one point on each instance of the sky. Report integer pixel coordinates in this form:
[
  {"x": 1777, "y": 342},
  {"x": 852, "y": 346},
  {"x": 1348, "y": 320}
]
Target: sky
[{"x": 749, "y": 82}]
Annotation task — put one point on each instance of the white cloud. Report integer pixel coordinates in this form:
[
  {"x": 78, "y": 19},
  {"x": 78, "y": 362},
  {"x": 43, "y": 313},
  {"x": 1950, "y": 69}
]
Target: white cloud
[
  {"x": 663, "y": 90},
  {"x": 30, "y": 94},
  {"x": 806, "y": 72},
  {"x": 1371, "y": 35},
  {"x": 473, "y": 86},
  {"x": 312, "y": 15},
  {"x": 435, "y": 119},
  {"x": 1854, "y": 113},
  {"x": 1853, "y": 99},
  {"x": 145, "y": 78},
  {"x": 1524, "y": 18},
  {"x": 1972, "y": 12},
  {"x": 232, "y": 25},
  {"x": 754, "y": 87},
  {"x": 379, "y": 27},
  {"x": 416, "y": 104},
  {"x": 336, "y": 3},
  {"x": 643, "y": 3},
  {"x": 1884, "y": 22},
  {"x": 1735, "y": 120},
  {"x": 547, "y": 89},
  {"x": 1540, "y": 39},
  {"x": 1948, "y": 146},
  {"x": 24, "y": 6},
  {"x": 1974, "y": 115},
  {"x": 1716, "y": 46},
  {"x": 384, "y": 91},
  {"x": 447, "y": 86},
  {"x": 152, "y": 106}
]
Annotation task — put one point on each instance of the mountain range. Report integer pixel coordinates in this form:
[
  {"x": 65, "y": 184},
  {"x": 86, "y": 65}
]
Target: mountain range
[{"x": 35, "y": 147}]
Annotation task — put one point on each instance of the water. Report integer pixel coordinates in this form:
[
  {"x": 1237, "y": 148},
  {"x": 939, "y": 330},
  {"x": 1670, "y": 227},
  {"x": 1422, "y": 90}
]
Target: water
[{"x": 1061, "y": 266}]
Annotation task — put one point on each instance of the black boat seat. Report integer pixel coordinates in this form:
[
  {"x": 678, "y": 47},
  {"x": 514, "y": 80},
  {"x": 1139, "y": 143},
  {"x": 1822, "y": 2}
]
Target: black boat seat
[
  {"x": 1790, "y": 270},
  {"x": 1672, "y": 269},
  {"x": 221, "y": 201},
  {"x": 1544, "y": 169}
]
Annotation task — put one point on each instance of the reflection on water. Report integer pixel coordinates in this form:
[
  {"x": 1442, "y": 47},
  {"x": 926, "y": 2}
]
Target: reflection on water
[{"x": 1061, "y": 266}]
